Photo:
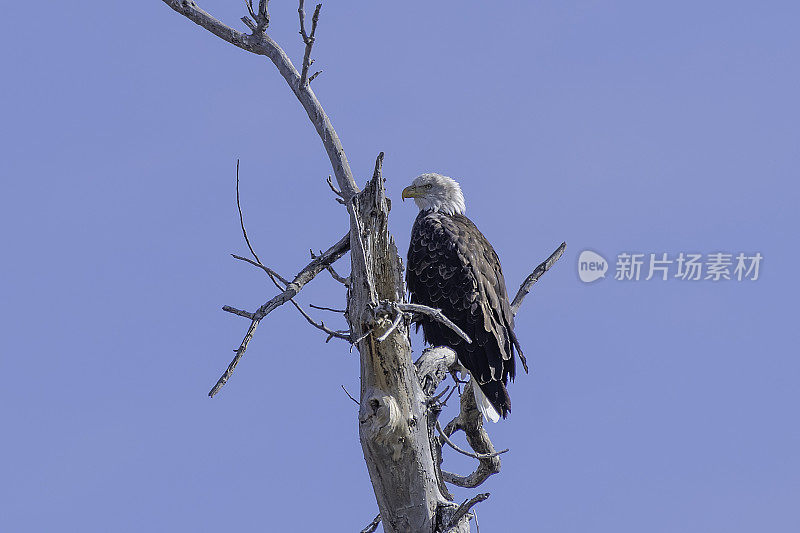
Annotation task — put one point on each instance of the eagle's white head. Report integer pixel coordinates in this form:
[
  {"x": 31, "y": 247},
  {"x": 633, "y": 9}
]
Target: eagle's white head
[{"x": 435, "y": 192}]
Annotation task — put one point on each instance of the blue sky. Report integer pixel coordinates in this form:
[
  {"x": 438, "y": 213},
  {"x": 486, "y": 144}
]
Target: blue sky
[{"x": 660, "y": 406}]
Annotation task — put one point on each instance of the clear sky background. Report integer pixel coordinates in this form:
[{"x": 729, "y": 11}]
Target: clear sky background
[{"x": 615, "y": 126}]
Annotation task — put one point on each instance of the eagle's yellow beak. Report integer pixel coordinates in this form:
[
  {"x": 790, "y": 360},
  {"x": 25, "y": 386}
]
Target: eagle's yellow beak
[{"x": 410, "y": 192}]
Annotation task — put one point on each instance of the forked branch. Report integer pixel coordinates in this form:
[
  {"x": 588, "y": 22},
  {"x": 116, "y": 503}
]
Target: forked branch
[
  {"x": 261, "y": 44},
  {"x": 276, "y": 278},
  {"x": 308, "y": 39},
  {"x": 308, "y": 273}
]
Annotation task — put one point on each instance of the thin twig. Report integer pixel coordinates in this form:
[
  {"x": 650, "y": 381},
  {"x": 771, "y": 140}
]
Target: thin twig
[
  {"x": 323, "y": 308},
  {"x": 464, "y": 508},
  {"x": 321, "y": 326},
  {"x": 339, "y": 198},
  {"x": 308, "y": 39},
  {"x": 249, "y": 23},
  {"x": 477, "y": 456},
  {"x": 273, "y": 275},
  {"x": 335, "y": 275},
  {"x": 336, "y": 191},
  {"x": 534, "y": 276},
  {"x": 262, "y": 267},
  {"x": 362, "y": 337},
  {"x": 241, "y": 219},
  {"x": 245, "y": 314},
  {"x": 350, "y": 395},
  {"x": 372, "y": 526},
  {"x": 249, "y": 5}
]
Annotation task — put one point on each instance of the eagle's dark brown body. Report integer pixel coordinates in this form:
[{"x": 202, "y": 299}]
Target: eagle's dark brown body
[{"x": 452, "y": 267}]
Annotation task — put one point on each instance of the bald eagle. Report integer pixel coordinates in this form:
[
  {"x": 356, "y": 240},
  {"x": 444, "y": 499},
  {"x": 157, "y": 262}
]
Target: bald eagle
[{"x": 452, "y": 267}]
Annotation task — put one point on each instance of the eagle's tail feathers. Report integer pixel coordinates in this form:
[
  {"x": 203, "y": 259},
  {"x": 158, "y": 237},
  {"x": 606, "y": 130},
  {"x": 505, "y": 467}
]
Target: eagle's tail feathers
[{"x": 484, "y": 405}]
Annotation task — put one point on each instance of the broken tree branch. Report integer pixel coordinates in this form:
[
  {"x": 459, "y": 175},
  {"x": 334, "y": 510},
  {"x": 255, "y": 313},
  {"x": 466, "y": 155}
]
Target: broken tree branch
[
  {"x": 464, "y": 508},
  {"x": 261, "y": 44},
  {"x": 331, "y": 309},
  {"x": 435, "y": 314},
  {"x": 534, "y": 276},
  {"x": 239, "y": 312},
  {"x": 395, "y": 323},
  {"x": 433, "y": 366}
]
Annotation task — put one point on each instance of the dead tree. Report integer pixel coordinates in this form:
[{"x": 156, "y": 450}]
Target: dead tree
[{"x": 400, "y": 433}]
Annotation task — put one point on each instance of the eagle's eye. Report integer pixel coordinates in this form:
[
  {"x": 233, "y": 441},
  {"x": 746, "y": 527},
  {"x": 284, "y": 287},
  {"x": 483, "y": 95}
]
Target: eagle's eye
[{"x": 429, "y": 186}]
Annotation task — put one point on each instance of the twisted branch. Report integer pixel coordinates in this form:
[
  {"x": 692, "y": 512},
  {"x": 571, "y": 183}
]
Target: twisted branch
[
  {"x": 470, "y": 421},
  {"x": 453, "y": 445}
]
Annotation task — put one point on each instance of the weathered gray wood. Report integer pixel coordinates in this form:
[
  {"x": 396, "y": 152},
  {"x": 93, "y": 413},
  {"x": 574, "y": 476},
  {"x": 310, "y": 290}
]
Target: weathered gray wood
[
  {"x": 470, "y": 421},
  {"x": 261, "y": 44},
  {"x": 534, "y": 276},
  {"x": 392, "y": 417}
]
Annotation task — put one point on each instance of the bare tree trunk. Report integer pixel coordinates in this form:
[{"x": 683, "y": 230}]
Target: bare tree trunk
[
  {"x": 398, "y": 415},
  {"x": 392, "y": 418}
]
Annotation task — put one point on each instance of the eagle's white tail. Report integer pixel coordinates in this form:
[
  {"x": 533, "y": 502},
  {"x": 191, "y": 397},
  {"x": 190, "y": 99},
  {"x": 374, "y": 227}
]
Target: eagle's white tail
[{"x": 484, "y": 405}]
